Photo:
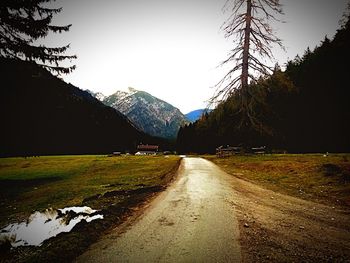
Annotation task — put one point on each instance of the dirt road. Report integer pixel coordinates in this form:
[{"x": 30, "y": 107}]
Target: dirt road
[
  {"x": 192, "y": 221},
  {"x": 207, "y": 215}
]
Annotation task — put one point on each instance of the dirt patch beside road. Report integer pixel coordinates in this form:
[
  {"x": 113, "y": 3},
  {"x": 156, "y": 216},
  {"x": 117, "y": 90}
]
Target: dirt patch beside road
[{"x": 279, "y": 228}]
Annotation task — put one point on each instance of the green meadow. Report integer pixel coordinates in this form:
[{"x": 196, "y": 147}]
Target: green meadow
[
  {"x": 36, "y": 183},
  {"x": 315, "y": 177}
]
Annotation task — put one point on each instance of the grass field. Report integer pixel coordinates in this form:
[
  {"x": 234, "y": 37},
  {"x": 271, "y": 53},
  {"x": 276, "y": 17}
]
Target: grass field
[
  {"x": 37, "y": 183},
  {"x": 315, "y": 177}
]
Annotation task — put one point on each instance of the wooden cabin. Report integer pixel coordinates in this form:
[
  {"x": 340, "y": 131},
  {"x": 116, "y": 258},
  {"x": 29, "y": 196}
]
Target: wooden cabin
[{"x": 146, "y": 149}]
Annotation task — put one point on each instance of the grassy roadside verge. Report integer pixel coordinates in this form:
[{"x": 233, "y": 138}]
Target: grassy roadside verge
[
  {"x": 114, "y": 185},
  {"x": 324, "y": 179}
]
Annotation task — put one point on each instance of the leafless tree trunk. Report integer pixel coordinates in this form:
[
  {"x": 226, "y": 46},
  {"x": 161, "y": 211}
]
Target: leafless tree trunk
[
  {"x": 245, "y": 58},
  {"x": 253, "y": 39}
]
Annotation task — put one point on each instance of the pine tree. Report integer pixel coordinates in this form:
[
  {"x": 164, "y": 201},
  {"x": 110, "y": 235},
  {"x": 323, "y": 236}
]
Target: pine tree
[
  {"x": 253, "y": 39},
  {"x": 22, "y": 22}
]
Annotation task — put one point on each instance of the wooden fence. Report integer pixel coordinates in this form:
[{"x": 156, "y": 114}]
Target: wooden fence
[{"x": 233, "y": 150}]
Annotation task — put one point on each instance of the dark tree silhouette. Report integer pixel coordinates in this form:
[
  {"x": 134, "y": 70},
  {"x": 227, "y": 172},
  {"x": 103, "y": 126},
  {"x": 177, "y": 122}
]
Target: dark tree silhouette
[
  {"x": 306, "y": 106},
  {"x": 24, "y": 22},
  {"x": 253, "y": 39}
]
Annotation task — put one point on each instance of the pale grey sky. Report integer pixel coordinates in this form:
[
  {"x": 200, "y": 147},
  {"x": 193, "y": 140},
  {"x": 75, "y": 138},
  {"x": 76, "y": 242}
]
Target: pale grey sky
[{"x": 169, "y": 48}]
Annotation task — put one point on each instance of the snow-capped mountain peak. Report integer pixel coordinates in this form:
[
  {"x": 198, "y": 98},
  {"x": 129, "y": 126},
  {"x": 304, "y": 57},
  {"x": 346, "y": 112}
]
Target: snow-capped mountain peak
[
  {"x": 97, "y": 95},
  {"x": 153, "y": 115}
]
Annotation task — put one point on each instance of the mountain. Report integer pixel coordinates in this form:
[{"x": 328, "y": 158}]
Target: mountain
[
  {"x": 196, "y": 114},
  {"x": 152, "y": 115},
  {"x": 41, "y": 114},
  {"x": 97, "y": 95}
]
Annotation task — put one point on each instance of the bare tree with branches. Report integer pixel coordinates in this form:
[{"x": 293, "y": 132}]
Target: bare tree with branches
[{"x": 254, "y": 38}]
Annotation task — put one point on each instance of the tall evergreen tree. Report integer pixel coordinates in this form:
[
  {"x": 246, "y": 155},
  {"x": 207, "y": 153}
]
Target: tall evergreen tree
[
  {"x": 253, "y": 39},
  {"x": 24, "y": 22}
]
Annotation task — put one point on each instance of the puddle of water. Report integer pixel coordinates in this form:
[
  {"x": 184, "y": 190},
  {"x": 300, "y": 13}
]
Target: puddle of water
[{"x": 41, "y": 226}]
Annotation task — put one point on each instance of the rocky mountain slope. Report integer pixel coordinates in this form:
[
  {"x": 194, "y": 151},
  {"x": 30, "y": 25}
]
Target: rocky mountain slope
[
  {"x": 97, "y": 95},
  {"x": 152, "y": 115}
]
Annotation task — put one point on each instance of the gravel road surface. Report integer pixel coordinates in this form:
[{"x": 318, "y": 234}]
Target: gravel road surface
[{"x": 192, "y": 221}]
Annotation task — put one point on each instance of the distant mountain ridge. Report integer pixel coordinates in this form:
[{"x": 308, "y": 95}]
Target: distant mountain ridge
[
  {"x": 196, "y": 114},
  {"x": 41, "y": 114},
  {"x": 97, "y": 95},
  {"x": 152, "y": 115}
]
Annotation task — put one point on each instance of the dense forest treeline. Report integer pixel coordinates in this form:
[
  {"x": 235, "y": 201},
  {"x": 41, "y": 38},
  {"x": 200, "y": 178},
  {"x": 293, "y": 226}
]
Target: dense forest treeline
[
  {"x": 304, "y": 108},
  {"x": 41, "y": 114}
]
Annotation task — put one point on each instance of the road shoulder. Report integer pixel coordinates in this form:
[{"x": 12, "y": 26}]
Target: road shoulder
[{"x": 279, "y": 228}]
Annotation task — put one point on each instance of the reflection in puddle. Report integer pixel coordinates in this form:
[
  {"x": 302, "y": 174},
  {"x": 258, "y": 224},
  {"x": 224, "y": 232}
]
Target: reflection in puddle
[{"x": 41, "y": 226}]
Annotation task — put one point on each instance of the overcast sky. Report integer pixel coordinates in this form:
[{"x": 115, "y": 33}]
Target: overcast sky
[{"x": 171, "y": 48}]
